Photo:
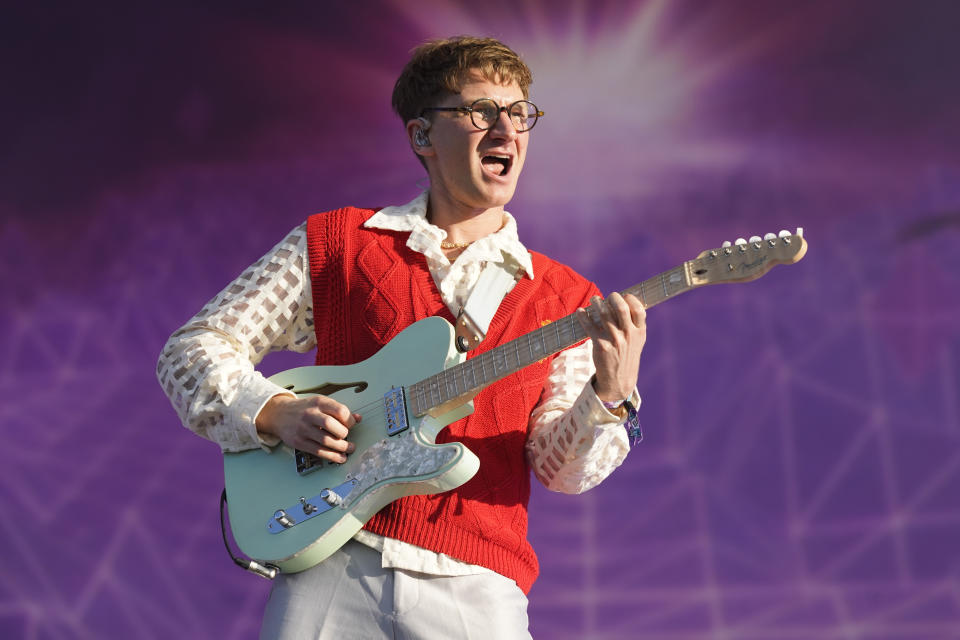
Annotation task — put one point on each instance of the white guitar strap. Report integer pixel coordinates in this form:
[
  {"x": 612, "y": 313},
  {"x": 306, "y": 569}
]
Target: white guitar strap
[{"x": 495, "y": 282}]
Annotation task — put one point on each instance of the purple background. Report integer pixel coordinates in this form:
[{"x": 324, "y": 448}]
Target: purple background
[{"x": 801, "y": 468}]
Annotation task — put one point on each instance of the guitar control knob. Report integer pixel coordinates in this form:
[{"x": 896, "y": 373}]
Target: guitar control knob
[
  {"x": 283, "y": 519},
  {"x": 331, "y": 497},
  {"x": 307, "y": 507}
]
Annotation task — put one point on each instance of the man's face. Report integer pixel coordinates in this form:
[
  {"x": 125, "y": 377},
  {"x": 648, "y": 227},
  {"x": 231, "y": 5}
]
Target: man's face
[{"x": 472, "y": 168}]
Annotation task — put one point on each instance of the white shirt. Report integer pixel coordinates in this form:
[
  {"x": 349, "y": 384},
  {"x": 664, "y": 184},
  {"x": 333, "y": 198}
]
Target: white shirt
[{"x": 207, "y": 366}]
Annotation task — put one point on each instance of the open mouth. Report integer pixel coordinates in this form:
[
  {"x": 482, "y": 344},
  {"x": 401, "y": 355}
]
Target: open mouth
[{"x": 498, "y": 165}]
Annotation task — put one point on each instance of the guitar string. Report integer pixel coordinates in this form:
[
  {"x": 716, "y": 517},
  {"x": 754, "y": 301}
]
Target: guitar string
[
  {"x": 443, "y": 384},
  {"x": 696, "y": 262},
  {"x": 360, "y": 409}
]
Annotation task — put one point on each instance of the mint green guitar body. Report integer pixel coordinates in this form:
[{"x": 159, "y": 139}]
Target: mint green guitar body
[
  {"x": 294, "y": 521},
  {"x": 286, "y": 519}
]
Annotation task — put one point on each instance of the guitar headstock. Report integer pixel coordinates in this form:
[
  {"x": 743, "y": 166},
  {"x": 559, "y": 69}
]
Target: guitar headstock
[{"x": 746, "y": 260}]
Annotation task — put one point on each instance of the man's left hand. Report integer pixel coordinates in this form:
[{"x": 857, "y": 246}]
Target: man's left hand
[{"x": 618, "y": 328}]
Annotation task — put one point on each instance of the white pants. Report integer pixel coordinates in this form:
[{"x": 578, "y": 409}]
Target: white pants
[{"x": 349, "y": 595}]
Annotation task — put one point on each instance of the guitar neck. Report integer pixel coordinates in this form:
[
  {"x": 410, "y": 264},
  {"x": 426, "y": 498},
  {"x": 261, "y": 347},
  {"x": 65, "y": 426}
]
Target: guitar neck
[
  {"x": 668, "y": 284},
  {"x": 458, "y": 384}
]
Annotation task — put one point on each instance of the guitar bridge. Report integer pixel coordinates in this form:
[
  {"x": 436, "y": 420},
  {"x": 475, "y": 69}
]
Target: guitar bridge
[{"x": 395, "y": 410}]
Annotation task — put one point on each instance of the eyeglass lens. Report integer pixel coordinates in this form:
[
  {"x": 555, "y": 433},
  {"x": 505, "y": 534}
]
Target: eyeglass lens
[{"x": 486, "y": 112}]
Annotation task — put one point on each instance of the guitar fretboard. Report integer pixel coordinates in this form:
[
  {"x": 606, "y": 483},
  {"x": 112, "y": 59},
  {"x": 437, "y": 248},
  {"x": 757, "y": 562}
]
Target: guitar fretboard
[{"x": 460, "y": 383}]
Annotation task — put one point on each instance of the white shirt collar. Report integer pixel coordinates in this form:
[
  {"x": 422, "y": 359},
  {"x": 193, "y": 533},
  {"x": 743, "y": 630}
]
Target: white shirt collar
[{"x": 425, "y": 238}]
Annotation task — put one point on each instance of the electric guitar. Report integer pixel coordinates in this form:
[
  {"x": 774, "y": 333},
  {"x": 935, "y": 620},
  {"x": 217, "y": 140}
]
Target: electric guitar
[{"x": 292, "y": 510}]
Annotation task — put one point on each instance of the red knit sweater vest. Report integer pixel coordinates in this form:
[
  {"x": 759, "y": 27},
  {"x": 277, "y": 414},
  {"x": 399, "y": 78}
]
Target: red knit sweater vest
[{"x": 367, "y": 287}]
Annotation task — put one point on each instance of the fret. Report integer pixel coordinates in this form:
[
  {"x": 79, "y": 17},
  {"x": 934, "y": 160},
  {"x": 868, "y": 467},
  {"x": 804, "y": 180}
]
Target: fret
[
  {"x": 576, "y": 331},
  {"x": 473, "y": 376},
  {"x": 542, "y": 338},
  {"x": 483, "y": 367},
  {"x": 413, "y": 403},
  {"x": 417, "y": 390},
  {"x": 450, "y": 380},
  {"x": 443, "y": 387},
  {"x": 456, "y": 384}
]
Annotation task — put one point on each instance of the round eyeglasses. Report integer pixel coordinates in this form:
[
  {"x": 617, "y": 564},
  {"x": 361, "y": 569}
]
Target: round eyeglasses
[{"x": 485, "y": 112}]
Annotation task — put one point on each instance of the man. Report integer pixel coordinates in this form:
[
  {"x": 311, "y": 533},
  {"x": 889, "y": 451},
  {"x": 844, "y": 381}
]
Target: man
[{"x": 455, "y": 564}]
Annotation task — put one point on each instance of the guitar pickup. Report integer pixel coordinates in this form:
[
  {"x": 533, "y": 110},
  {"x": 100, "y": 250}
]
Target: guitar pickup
[
  {"x": 395, "y": 411},
  {"x": 307, "y": 462}
]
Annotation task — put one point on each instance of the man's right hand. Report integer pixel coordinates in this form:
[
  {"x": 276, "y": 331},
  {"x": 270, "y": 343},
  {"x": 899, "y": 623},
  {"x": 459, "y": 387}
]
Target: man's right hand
[{"x": 317, "y": 425}]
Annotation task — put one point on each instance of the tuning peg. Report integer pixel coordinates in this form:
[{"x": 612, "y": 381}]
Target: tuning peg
[
  {"x": 726, "y": 243},
  {"x": 785, "y": 234},
  {"x": 799, "y": 232},
  {"x": 754, "y": 239},
  {"x": 740, "y": 241},
  {"x": 770, "y": 236}
]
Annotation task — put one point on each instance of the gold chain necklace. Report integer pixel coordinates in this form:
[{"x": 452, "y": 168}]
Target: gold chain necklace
[
  {"x": 455, "y": 245},
  {"x": 463, "y": 245}
]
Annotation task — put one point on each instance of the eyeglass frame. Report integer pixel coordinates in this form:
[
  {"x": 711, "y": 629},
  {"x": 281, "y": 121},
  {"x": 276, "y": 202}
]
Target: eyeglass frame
[{"x": 500, "y": 110}]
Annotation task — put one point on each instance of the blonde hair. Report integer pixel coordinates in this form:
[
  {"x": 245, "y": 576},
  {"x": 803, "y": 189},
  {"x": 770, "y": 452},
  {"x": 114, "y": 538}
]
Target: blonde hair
[{"x": 438, "y": 68}]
